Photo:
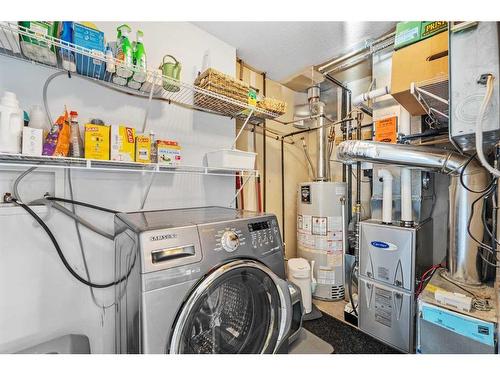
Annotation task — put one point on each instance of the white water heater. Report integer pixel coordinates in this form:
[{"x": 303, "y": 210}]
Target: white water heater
[{"x": 321, "y": 225}]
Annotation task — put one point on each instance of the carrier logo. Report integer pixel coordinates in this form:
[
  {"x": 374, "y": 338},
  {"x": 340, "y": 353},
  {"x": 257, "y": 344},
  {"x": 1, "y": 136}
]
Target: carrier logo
[
  {"x": 161, "y": 237},
  {"x": 380, "y": 244},
  {"x": 386, "y": 246}
]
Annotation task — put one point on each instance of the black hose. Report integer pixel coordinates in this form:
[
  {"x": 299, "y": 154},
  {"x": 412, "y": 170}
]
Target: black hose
[
  {"x": 61, "y": 254},
  {"x": 78, "y": 203}
]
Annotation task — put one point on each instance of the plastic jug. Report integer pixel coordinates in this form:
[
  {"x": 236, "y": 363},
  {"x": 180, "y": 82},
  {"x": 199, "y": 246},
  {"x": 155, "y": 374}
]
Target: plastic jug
[
  {"x": 171, "y": 70},
  {"x": 299, "y": 272},
  {"x": 11, "y": 124}
]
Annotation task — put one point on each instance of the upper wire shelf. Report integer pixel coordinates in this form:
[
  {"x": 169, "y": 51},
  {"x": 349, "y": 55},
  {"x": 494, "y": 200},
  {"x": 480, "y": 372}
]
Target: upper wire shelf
[
  {"x": 92, "y": 65},
  {"x": 433, "y": 96},
  {"x": 19, "y": 160}
]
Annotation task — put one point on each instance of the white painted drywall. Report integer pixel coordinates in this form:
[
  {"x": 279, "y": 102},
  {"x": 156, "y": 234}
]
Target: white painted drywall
[{"x": 39, "y": 299}]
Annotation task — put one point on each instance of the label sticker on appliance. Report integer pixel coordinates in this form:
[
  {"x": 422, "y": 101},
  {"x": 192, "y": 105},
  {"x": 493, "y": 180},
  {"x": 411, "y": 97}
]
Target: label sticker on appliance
[
  {"x": 319, "y": 226},
  {"x": 383, "y": 306},
  {"x": 326, "y": 276},
  {"x": 306, "y": 223},
  {"x": 477, "y": 330},
  {"x": 383, "y": 245},
  {"x": 305, "y": 194}
]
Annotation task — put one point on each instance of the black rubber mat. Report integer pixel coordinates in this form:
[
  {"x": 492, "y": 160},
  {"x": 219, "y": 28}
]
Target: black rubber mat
[{"x": 344, "y": 338}]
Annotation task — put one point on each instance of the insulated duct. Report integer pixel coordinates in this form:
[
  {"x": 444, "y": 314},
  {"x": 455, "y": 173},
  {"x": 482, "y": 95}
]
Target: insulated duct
[{"x": 462, "y": 249}]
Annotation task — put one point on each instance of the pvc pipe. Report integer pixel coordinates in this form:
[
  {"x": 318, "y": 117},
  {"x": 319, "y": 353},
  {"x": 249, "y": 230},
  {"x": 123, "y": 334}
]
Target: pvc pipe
[
  {"x": 406, "y": 204},
  {"x": 370, "y": 95},
  {"x": 386, "y": 176},
  {"x": 405, "y": 173}
]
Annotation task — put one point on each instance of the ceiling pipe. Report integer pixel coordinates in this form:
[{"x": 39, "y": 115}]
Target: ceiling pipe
[
  {"x": 324, "y": 69},
  {"x": 462, "y": 248}
]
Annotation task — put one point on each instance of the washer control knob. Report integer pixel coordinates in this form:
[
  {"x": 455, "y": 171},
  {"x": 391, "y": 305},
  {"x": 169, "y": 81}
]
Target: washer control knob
[{"x": 230, "y": 241}]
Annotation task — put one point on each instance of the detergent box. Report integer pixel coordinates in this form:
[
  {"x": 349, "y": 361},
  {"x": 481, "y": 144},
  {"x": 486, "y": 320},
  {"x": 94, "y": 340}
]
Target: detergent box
[
  {"x": 122, "y": 143},
  {"x": 97, "y": 138},
  {"x": 169, "y": 153},
  {"x": 143, "y": 149}
]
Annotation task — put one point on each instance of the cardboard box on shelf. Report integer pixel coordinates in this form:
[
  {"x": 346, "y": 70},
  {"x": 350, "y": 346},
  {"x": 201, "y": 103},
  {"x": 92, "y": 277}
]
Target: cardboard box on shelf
[
  {"x": 122, "y": 143},
  {"x": 410, "y": 32},
  {"x": 423, "y": 61},
  {"x": 97, "y": 141},
  {"x": 143, "y": 149},
  {"x": 32, "y": 143},
  {"x": 169, "y": 153}
]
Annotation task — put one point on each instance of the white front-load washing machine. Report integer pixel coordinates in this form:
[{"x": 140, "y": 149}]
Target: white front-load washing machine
[{"x": 202, "y": 280}]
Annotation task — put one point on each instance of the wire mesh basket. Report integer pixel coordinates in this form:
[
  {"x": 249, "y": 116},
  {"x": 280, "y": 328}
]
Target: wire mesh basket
[{"x": 214, "y": 97}]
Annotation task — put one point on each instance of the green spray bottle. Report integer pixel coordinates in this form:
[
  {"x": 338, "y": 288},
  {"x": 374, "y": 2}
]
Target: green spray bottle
[
  {"x": 125, "y": 52},
  {"x": 140, "y": 58}
]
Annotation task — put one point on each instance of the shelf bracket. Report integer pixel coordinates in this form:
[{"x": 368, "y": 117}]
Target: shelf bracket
[{"x": 233, "y": 147}]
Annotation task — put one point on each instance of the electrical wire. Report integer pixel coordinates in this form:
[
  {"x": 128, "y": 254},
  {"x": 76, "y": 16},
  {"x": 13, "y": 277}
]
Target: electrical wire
[
  {"x": 61, "y": 254},
  {"x": 462, "y": 177},
  {"x": 479, "y": 127}
]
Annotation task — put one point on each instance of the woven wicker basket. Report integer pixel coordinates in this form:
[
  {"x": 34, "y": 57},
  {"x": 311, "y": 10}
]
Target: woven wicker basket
[{"x": 220, "y": 83}]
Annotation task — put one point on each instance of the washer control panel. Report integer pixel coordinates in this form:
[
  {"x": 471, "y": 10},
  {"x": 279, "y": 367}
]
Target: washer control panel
[
  {"x": 230, "y": 241},
  {"x": 260, "y": 236}
]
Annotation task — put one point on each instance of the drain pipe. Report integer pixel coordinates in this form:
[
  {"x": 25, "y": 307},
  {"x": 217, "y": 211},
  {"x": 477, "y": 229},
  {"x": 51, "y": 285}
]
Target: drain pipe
[
  {"x": 386, "y": 177},
  {"x": 462, "y": 249}
]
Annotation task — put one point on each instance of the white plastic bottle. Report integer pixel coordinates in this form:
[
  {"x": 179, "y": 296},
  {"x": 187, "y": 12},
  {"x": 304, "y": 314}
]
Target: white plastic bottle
[
  {"x": 11, "y": 124},
  {"x": 38, "y": 118}
]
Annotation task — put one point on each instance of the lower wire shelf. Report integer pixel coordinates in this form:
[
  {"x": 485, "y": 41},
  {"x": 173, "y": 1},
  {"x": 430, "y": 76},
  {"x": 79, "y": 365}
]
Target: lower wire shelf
[{"x": 19, "y": 160}]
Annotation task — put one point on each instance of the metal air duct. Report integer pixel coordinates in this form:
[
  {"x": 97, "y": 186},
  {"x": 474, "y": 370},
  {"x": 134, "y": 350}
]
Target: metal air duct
[{"x": 462, "y": 249}]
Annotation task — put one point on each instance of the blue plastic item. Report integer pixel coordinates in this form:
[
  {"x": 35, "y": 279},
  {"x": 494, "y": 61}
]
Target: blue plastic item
[{"x": 91, "y": 39}]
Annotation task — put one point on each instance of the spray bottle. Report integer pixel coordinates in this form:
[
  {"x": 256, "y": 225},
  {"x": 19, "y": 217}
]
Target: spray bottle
[
  {"x": 140, "y": 58},
  {"x": 125, "y": 52}
]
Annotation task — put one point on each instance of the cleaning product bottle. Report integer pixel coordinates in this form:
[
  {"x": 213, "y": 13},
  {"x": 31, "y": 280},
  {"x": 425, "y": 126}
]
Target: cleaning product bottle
[
  {"x": 125, "y": 52},
  {"x": 11, "y": 124},
  {"x": 110, "y": 59},
  {"x": 154, "y": 151},
  {"x": 67, "y": 57},
  {"x": 76, "y": 143},
  {"x": 140, "y": 58},
  {"x": 133, "y": 84}
]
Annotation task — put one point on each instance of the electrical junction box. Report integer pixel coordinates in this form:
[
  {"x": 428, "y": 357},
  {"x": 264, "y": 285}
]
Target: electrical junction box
[
  {"x": 447, "y": 329},
  {"x": 473, "y": 52}
]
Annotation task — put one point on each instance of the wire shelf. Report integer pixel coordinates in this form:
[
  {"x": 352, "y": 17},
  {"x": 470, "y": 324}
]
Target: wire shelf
[
  {"x": 433, "y": 95},
  {"x": 91, "y": 64},
  {"x": 19, "y": 160}
]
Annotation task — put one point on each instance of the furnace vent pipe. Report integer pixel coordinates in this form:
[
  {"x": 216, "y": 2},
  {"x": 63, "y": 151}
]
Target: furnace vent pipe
[
  {"x": 386, "y": 177},
  {"x": 370, "y": 95},
  {"x": 462, "y": 249}
]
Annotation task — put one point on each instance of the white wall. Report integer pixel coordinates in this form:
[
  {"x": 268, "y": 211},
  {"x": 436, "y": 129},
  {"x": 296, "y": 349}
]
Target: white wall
[{"x": 39, "y": 299}]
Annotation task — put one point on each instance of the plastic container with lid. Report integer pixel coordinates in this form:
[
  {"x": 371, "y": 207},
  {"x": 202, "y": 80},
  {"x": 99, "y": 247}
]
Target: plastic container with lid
[
  {"x": 299, "y": 272},
  {"x": 11, "y": 123}
]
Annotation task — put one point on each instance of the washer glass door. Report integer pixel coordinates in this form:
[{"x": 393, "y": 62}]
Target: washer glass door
[{"x": 236, "y": 310}]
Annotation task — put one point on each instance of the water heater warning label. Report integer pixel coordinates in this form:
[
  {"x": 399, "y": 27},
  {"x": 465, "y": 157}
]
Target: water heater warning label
[
  {"x": 383, "y": 306},
  {"x": 319, "y": 226}
]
